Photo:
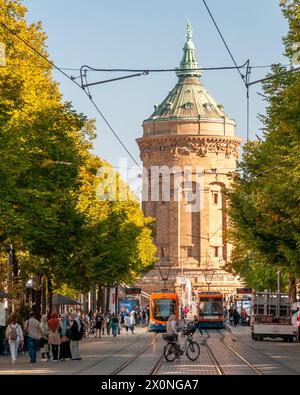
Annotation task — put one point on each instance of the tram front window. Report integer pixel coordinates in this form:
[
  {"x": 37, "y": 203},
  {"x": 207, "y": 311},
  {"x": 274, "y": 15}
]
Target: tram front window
[
  {"x": 210, "y": 307},
  {"x": 162, "y": 309}
]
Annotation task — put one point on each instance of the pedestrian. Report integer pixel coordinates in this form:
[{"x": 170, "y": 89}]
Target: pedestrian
[
  {"x": 144, "y": 316},
  {"x": 132, "y": 321},
  {"x": 127, "y": 323},
  {"x": 108, "y": 322},
  {"x": 98, "y": 323},
  {"x": 236, "y": 317},
  {"x": 119, "y": 323},
  {"x": 54, "y": 336},
  {"x": 75, "y": 334},
  {"x": 14, "y": 335},
  {"x": 115, "y": 324},
  {"x": 65, "y": 351},
  {"x": 90, "y": 314},
  {"x": 230, "y": 312},
  {"x": 44, "y": 341},
  {"x": 33, "y": 331},
  {"x": 185, "y": 311},
  {"x": 196, "y": 322},
  {"x": 104, "y": 323},
  {"x": 181, "y": 313}
]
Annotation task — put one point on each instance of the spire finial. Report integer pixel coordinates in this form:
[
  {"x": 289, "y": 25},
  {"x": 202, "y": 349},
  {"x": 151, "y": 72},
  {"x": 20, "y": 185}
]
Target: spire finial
[
  {"x": 189, "y": 31},
  {"x": 188, "y": 65}
]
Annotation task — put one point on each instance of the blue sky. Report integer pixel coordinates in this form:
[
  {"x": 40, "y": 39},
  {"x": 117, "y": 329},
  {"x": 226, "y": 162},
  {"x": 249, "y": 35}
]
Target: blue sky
[{"x": 151, "y": 34}]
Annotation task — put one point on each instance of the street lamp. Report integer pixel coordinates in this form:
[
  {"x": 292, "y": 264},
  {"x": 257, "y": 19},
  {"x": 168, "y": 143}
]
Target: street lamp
[{"x": 30, "y": 284}]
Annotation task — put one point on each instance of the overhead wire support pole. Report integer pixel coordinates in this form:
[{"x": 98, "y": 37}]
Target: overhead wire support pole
[
  {"x": 147, "y": 71},
  {"x": 248, "y": 73},
  {"x": 113, "y": 79},
  {"x": 273, "y": 76}
]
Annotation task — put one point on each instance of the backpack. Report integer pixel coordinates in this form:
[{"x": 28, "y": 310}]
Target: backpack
[{"x": 13, "y": 333}]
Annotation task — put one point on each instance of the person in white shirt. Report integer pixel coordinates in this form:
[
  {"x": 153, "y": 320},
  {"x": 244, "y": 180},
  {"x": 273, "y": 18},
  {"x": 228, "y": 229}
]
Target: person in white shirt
[
  {"x": 14, "y": 335},
  {"x": 132, "y": 322},
  {"x": 127, "y": 322}
]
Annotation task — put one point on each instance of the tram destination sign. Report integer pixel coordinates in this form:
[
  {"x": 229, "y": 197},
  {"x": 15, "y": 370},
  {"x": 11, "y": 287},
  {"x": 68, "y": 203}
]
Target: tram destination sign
[
  {"x": 244, "y": 291},
  {"x": 133, "y": 291}
]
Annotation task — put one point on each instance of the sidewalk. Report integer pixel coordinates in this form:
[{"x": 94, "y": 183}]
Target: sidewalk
[{"x": 93, "y": 351}]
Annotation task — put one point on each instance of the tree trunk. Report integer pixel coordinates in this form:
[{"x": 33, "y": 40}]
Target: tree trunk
[
  {"x": 37, "y": 306},
  {"x": 50, "y": 293},
  {"x": 107, "y": 298},
  {"x": 292, "y": 287},
  {"x": 102, "y": 305},
  {"x": 116, "y": 300},
  {"x": 44, "y": 295},
  {"x": 99, "y": 297}
]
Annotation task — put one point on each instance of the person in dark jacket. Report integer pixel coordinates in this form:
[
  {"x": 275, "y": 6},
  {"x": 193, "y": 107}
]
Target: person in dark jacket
[
  {"x": 98, "y": 323},
  {"x": 65, "y": 351},
  {"x": 115, "y": 324},
  {"x": 75, "y": 328},
  {"x": 236, "y": 317}
]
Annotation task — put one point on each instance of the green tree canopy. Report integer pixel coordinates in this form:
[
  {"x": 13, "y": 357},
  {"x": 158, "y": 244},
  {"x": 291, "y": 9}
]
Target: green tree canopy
[{"x": 265, "y": 197}]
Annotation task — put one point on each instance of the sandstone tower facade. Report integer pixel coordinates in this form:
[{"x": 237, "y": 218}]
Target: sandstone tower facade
[{"x": 188, "y": 133}]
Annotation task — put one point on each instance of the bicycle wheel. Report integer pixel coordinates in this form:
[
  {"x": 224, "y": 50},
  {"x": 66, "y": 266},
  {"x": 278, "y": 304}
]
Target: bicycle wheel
[
  {"x": 193, "y": 351},
  {"x": 170, "y": 352}
]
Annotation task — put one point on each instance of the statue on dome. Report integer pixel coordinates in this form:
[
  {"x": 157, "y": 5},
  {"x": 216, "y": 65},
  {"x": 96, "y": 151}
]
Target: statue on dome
[{"x": 189, "y": 31}]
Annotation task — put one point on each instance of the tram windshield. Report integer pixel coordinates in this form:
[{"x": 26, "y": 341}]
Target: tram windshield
[
  {"x": 208, "y": 306},
  {"x": 163, "y": 308}
]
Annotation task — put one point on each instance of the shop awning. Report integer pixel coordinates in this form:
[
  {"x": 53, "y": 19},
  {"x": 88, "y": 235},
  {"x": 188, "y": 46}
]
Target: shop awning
[{"x": 63, "y": 300}]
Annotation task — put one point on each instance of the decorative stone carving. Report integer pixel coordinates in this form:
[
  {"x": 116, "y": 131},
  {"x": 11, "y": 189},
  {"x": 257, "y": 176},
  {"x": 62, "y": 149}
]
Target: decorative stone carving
[{"x": 198, "y": 146}]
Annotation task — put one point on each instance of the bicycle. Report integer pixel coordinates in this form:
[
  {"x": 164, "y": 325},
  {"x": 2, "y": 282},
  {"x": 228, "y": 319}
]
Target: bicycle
[{"x": 172, "y": 349}]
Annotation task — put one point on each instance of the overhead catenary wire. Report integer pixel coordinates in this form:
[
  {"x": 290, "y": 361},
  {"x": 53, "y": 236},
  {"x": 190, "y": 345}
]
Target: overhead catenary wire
[
  {"x": 146, "y": 71},
  {"x": 225, "y": 43},
  {"x": 245, "y": 78},
  {"x": 73, "y": 80},
  {"x": 141, "y": 69}
]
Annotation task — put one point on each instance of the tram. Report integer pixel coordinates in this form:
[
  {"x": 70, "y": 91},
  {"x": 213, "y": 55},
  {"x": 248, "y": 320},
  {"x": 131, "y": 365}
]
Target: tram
[
  {"x": 211, "y": 310},
  {"x": 162, "y": 305}
]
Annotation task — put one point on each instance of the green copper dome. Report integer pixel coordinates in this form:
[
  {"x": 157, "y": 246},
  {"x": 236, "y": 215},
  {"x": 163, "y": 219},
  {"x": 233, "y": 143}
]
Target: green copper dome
[{"x": 189, "y": 99}]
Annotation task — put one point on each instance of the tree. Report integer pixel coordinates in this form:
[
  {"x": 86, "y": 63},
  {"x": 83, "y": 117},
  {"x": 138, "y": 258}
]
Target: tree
[
  {"x": 264, "y": 200},
  {"x": 43, "y": 144},
  {"x": 116, "y": 243},
  {"x": 63, "y": 234}
]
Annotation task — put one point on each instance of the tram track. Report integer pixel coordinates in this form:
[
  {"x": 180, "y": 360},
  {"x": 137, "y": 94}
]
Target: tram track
[
  {"x": 221, "y": 368},
  {"x": 154, "y": 369},
  {"x": 94, "y": 364},
  {"x": 212, "y": 356},
  {"x": 257, "y": 371},
  {"x": 269, "y": 359}
]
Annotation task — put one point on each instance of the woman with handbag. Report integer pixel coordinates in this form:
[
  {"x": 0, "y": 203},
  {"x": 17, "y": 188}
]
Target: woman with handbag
[
  {"x": 44, "y": 346},
  {"x": 65, "y": 351},
  {"x": 54, "y": 336}
]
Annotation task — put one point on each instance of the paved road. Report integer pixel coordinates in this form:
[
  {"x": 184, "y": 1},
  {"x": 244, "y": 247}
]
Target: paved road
[{"x": 230, "y": 351}]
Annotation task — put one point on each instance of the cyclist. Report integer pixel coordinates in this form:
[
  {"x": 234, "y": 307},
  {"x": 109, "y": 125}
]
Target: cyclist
[{"x": 172, "y": 329}]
